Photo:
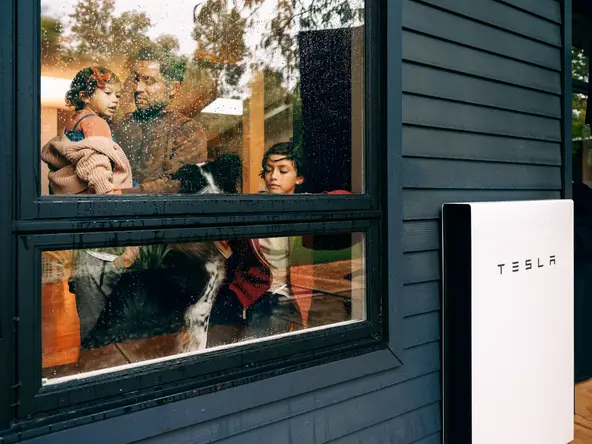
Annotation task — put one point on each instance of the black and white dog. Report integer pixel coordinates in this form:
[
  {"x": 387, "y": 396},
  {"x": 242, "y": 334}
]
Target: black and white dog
[{"x": 170, "y": 289}]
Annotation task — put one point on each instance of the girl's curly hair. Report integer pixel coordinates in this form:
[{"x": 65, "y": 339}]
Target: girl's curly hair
[{"x": 88, "y": 80}]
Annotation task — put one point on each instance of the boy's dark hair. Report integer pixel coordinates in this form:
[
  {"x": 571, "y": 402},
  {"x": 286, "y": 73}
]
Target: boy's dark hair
[
  {"x": 291, "y": 151},
  {"x": 172, "y": 67},
  {"x": 86, "y": 80}
]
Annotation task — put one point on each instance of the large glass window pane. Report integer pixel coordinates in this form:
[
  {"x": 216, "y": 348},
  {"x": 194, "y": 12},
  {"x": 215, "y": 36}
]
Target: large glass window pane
[
  {"x": 111, "y": 307},
  {"x": 135, "y": 96}
]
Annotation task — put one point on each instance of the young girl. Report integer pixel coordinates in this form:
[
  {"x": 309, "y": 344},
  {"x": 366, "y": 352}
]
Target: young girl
[
  {"x": 261, "y": 296},
  {"x": 86, "y": 159}
]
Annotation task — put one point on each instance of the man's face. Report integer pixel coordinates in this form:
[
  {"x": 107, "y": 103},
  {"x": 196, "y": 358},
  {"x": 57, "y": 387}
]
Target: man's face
[{"x": 152, "y": 91}]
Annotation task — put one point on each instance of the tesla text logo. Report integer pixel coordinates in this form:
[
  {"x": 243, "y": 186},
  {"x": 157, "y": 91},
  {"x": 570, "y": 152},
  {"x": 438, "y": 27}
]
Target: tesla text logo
[{"x": 526, "y": 265}]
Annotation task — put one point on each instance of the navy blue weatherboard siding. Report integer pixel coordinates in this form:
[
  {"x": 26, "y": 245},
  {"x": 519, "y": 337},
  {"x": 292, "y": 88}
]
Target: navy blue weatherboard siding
[
  {"x": 481, "y": 113},
  {"x": 482, "y": 109}
]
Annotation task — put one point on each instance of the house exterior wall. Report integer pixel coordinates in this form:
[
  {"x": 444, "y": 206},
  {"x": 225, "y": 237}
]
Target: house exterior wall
[
  {"x": 482, "y": 109},
  {"x": 482, "y": 122}
]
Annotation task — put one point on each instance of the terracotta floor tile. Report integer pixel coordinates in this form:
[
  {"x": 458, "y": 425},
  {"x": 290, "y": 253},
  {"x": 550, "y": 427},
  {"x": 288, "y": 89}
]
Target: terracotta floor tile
[
  {"x": 143, "y": 349},
  {"x": 89, "y": 360}
]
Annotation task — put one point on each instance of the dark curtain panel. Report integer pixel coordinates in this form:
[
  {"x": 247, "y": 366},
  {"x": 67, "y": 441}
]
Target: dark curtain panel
[{"x": 326, "y": 137}]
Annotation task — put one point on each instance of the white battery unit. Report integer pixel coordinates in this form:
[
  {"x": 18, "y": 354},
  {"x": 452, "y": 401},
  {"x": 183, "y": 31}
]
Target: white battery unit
[{"x": 508, "y": 331}]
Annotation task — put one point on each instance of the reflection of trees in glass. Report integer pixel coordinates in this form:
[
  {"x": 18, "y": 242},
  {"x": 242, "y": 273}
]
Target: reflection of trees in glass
[
  {"x": 219, "y": 33},
  {"x": 223, "y": 27},
  {"x": 98, "y": 33},
  {"x": 90, "y": 29},
  {"x": 51, "y": 38},
  {"x": 307, "y": 15},
  {"x": 234, "y": 39},
  {"x": 169, "y": 43}
]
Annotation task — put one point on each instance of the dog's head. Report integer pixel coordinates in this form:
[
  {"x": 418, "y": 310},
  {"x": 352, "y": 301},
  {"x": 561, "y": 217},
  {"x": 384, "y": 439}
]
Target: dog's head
[{"x": 219, "y": 176}]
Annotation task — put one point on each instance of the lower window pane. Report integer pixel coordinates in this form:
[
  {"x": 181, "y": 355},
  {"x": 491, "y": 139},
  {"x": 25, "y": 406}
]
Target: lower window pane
[{"x": 111, "y": 307}]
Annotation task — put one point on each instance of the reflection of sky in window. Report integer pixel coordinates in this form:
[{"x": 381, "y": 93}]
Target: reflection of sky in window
[
  {"x": 175, "y": 17},
  {"x": 166, "y": 19}
]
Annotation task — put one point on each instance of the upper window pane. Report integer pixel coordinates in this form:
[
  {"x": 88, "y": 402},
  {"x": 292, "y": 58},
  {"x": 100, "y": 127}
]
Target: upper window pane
[{"x": 137, "y": 95}]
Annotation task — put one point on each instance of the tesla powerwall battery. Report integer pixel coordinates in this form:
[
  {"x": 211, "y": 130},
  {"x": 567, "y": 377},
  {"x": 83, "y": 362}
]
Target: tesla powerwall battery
[{"x": 508, "y": 373}]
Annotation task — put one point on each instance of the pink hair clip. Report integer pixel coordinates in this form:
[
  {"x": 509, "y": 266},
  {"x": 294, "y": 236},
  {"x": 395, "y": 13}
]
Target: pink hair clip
[{"x": 101, "y": 79}]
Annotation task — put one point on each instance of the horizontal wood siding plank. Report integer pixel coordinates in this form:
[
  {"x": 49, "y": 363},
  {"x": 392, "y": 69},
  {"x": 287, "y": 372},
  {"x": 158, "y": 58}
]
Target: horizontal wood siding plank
[
  {"x": 419, "y": 361},
  {"x": 421, "y": 236},
  {"x": 424, "y": 359},
  {"x": 436, "y": 173},
  {"x": 332, "y": 423},
  {"x": 419, "y": 79},
  {"x": 425, "y": 19},
  {"x": 444, "y": 114},
  {"x": 427, "y": 204},
  {"x": 445, "y": 144},
  {"x": 503, "y": 16},
  {"x": 421, "y": 267},
  {"x": 421, "y": 298},
  {"x": 436, "y": 438},
  {"x": 410, "y": 427},
  {"x": 422, "y": 329},
  {"x": 209, "y": 408},
  {"x": 429, "y": 51},
  {"x": 549, "y": 9}
]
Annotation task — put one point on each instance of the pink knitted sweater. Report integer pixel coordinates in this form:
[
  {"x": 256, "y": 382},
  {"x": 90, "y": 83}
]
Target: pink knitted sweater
[{"x": 96, "y": 165}]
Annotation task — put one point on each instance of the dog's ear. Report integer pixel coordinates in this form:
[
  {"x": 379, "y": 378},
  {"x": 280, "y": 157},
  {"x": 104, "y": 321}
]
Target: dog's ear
[
  {"x": 191, "y": 178},
  {"x": 227, "y": 171}
]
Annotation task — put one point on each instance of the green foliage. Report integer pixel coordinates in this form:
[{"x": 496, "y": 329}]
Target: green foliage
[
  {"x": 219, "y": 32},
  {"x": 579, "y": 102},
  {"x": 151, "y": 257},
  {"x": 168, "y": 43},
  {"x": 317, "y": 14},
  {"x": 579, "y": 64},
  {"x": 91, "y": 25},
  {"x": 51, "y": 37},
  {"x": 97, "y": 34},
  {"x": 127, "y": 33},
  {"x": 578, "y": 125}
]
